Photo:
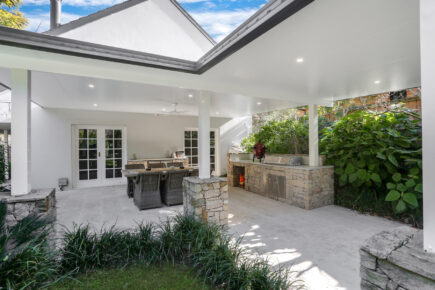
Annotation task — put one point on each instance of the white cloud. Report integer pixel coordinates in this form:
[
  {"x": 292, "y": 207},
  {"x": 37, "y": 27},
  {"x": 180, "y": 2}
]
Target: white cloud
[
  {"x": 190, "y": 1},
  {"x": 221, "y": 23},
  {"x": 76, "y": 2},
  {"x": 41, "y": 22}
]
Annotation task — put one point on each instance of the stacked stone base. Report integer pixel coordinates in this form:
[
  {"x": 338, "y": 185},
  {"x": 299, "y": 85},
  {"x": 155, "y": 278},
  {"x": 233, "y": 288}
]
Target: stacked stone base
[
  {"x": 207, "y": 199},
  {"x": 39, "y": 202},
  {"x": 395, "y": 260}
]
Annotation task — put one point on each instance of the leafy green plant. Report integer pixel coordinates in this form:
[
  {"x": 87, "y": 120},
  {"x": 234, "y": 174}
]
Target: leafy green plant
[
  {"x": 405, "y": 191},
  {"x": 212, "y": 253},
  {"x": 289, "y": 136},
  {"x": 26, "y": 260},
  {"x": 372, "y": 150}
]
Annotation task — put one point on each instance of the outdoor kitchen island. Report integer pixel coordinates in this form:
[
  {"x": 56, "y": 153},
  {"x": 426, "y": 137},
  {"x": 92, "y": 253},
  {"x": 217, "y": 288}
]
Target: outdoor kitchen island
[{"x": 301, "y": 185}]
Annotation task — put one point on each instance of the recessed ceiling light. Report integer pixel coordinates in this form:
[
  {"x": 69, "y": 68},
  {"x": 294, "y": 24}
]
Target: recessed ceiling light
[
  {"x": 299, "y": 60},
  {"x": 377, "y": 82},
  {"x": 259, "y": 103},
  {"x": 217, "y": 113},
  {"x": 164, "y": 109},
  {"x": 91, "y": 86},
  {"x": 190, "y": 95},
  {"x": 95, "y": 105}
]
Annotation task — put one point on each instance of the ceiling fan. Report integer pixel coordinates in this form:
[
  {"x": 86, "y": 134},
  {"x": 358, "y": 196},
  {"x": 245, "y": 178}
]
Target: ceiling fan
[{"x": 174, "y": 109}]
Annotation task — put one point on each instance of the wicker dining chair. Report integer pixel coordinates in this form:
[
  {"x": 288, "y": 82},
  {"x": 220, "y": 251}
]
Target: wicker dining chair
[
  {"x": 130, "y": 180},
  {"x": 172, "y": 189},
  {"x": 147, "y": 190}
]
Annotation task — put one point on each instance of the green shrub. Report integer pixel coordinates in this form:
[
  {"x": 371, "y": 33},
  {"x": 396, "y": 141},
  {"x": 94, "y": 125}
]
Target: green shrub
[
  {"x": 85, "y": 250},
  {"x": 25, "y": 258},
  {"x": 284, "y": 137},
  {"x": 377, "y": 159},
  {"x": 182, "y": 240}
]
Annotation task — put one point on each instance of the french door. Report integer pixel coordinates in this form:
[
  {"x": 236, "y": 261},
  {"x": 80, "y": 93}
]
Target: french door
[{"x": 99, "y": 154}]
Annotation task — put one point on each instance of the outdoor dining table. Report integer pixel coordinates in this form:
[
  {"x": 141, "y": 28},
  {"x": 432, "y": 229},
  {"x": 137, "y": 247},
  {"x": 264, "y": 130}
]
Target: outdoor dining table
[{"x": 169, "y": 188}]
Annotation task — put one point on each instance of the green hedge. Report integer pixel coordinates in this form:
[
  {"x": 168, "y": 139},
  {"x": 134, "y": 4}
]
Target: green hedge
[{"x": 377, "y": 160}]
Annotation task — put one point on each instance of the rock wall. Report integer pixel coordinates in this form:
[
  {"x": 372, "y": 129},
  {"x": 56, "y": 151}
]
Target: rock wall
[
  {"x": 40, "y": 202},
  {"x": 395, "y": 260},
  {"x": 206, "y": 198}
]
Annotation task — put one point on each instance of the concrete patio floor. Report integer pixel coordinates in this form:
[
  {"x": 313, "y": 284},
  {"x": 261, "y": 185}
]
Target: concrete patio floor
[{"x": 321, "y": 246}]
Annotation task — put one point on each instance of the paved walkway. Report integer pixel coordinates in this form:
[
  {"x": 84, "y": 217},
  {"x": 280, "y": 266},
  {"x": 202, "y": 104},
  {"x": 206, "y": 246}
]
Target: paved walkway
[{"x": 320, "y": 246}]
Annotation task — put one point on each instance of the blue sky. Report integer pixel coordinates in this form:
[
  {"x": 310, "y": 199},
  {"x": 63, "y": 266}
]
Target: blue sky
[{"x": 217, "y": 17}]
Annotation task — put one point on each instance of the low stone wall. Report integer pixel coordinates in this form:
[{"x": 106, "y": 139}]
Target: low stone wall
[
  {"x": 40, "y": 202},
  {"x": 206, "y": 198},
  {"x": 395, "y": 260}
]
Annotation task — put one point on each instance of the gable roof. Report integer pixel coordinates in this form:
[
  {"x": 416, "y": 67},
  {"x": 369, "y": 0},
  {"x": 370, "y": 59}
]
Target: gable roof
[
  {"x": 116, "y": 8},
  {"x": 270, "y": 15}
]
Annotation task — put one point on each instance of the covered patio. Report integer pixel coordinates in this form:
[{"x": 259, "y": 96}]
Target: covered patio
[
  {"x": 291, "y": 53},
  {"x": 321, "y": 246}
]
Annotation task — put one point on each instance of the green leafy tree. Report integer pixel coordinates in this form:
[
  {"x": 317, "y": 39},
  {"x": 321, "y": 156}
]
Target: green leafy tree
[{"x": 10, "y": 15}]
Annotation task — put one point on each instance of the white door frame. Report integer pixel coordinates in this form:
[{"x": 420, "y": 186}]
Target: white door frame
[
  {"x": 101, "y": 180},
  {"x": 217, "y": 152}
]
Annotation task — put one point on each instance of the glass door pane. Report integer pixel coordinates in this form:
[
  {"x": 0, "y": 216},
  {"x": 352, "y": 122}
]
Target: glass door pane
[
  {"x": 88, "y": 157},
  {"x": 113, "y": 147}
]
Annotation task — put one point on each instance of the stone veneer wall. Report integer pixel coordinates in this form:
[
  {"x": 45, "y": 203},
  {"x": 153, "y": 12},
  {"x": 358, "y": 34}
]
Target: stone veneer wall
[
  {"x": 40, "y": 202},
  {"x": 206, "y": 198},
  {"x": 304, "y": 186},
  {"x": 395, "y": 260}
]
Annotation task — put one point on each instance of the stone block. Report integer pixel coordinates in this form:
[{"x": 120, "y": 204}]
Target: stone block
[
  {"x": 375, "y": 278},
  {"x": 216, "y": 185},
  {"x": 404, "y": 278},
  {"x": 368, "y": 261},
  {"x": 212, "y": 193},
  {"x": 381, "y": 245},
  {"x": 21, "y": 210},
  {"x": 210, "y": 204},
  {"x": 205, "y": 187}
]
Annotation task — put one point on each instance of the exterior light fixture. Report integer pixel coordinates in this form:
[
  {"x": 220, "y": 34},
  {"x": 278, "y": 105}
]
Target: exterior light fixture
[
  {"x": 190, "y": 95},
  {"x": 299, "y": 60},
  {"x": 217, "y": 113},
  {"x": 91, "y": 86},
  {"x": 95, "y": 105},
  {"x": 377, "y": 82},
  {"x": 259, "y": 103},
  {"x": 164, "y": 110}
]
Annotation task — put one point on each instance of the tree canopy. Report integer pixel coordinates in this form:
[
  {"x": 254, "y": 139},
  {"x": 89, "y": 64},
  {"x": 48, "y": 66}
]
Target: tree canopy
[{"x": 10, "y": 15}]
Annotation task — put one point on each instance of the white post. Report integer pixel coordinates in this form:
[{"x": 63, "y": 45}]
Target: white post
[
  {"x": 427, "y": 45},
  {"x": 6, "y": 152},
  {"x": 204, "y": 135},
  {"x": 313, "y": 135},
  {"x": 20, "y": 127}
]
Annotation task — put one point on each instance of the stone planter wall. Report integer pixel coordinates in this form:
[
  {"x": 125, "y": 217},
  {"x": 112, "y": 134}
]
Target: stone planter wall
[
  {"x": 395, "y": 260},
  {"x": 40, "y": 202},
  {"x": 207, "y": 199}
]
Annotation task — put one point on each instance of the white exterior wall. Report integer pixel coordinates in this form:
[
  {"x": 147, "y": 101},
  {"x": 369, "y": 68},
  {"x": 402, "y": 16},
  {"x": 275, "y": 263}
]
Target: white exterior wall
[
  {"x": 427, "y": 34},
  {"x": 147, "y": 136},
  {"x": 153, "y": 26},
  {"x": 232, "y": 133}
]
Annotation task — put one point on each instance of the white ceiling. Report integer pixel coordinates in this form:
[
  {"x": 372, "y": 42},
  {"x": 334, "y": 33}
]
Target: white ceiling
[
  {"x": 346, "y": 46},
  {"x": 65, "y": 91}
]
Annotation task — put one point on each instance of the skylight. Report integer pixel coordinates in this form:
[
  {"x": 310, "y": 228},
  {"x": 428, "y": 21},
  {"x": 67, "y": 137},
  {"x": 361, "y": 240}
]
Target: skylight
[{"x": 219, "y": 18}]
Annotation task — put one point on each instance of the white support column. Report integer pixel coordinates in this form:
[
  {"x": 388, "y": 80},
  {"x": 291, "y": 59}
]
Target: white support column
[
  {"x": 204, "y": 135},
  {"x": 20, "y": 128},
  {"x": 6, "y": 152},
  {"x": 313, "y": 135},
  {"x": 427, "y": 45}
]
